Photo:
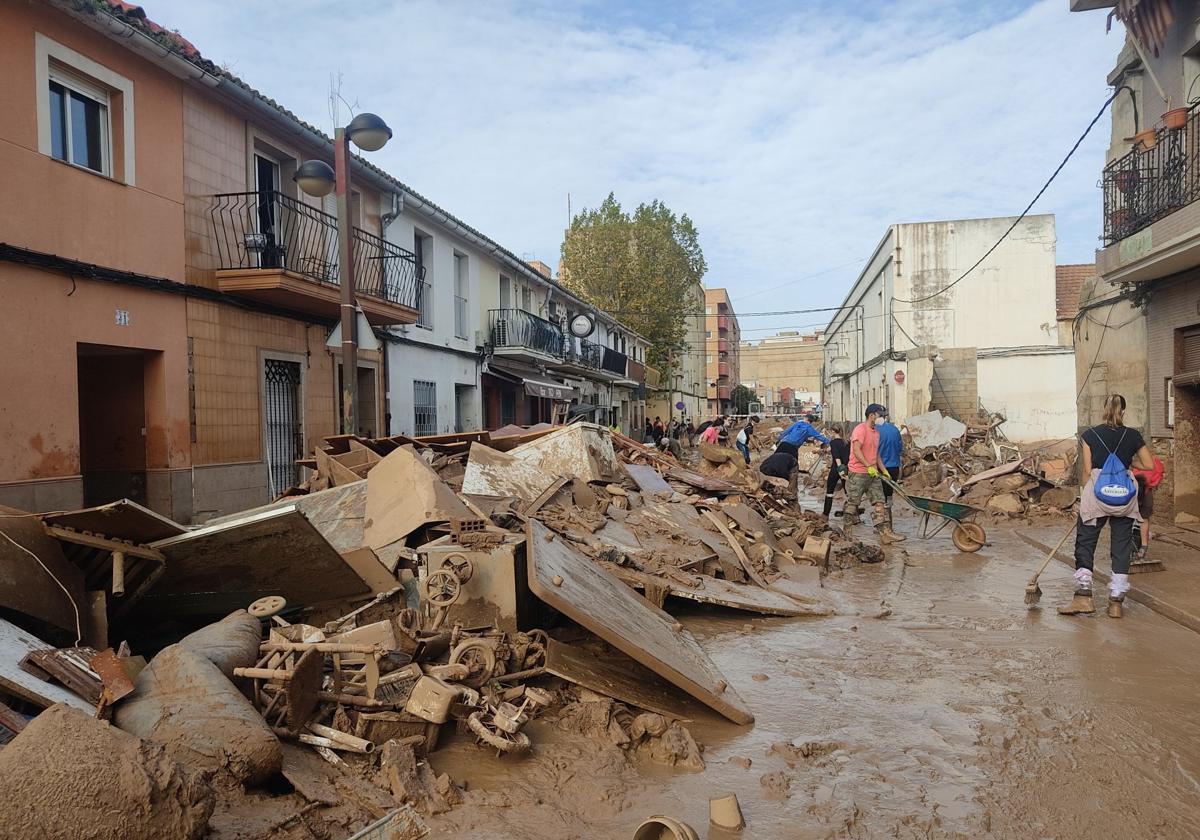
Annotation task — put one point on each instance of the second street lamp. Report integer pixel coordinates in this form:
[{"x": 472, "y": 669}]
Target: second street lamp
[{"x": 315, "y": 177}]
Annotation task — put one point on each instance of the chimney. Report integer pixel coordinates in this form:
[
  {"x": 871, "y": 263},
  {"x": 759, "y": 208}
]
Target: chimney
[{"x": 541, "y": 268}]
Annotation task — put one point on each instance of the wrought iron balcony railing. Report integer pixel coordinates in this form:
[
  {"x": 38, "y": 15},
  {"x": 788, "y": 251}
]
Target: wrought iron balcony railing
[
  {"x": 516, "y": 328},
  {"x": 1150, "y": 183},
  {"x": 270, "y": 230},
  {"x": 582, "y": 353}
]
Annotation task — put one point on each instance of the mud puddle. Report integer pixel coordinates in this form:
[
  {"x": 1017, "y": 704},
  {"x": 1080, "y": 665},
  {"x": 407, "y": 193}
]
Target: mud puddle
[{"x": 934, "y": 706}]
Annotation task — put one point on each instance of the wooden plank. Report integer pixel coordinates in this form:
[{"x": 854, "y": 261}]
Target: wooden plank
[
  {"x": 15, "y": 643},
  {"x": 96, "y": 541},
  {"x": 546, "y": 495},
  {"x": 749, "y": 568},
  {"x": 718, "y": 592},
  {"x": 219, "y": 568},
  {"x": 575, "y": 586},
  {"x": 120, "y": 520},
  {"x": 648, "y": 479},
  {"x": 404, "y": 494},
  {"x": 620, "y": 678}
]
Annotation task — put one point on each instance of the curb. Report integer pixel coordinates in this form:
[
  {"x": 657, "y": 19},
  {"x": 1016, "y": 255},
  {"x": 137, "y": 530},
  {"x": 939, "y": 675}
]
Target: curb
[{"x": 1181, "y": 617}]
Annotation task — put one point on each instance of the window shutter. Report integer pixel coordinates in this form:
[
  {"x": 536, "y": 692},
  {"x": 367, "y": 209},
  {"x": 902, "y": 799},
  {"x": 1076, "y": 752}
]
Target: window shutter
[{"x": 1190, "y": 356}]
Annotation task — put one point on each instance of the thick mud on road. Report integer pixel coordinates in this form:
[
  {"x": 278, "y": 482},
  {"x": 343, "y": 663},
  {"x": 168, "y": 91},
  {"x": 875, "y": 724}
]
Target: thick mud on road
[{"x": 935, "y": 705}]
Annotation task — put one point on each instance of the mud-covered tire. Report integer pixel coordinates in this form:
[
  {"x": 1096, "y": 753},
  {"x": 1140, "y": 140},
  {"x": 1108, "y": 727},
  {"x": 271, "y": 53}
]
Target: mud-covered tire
[
  {"x": 968, "y": 537},
  {"x": 506, "y": 743}
]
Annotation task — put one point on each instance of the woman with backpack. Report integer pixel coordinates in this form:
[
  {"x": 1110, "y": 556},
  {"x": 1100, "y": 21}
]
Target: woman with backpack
[{"x": 1110, "y": 451}]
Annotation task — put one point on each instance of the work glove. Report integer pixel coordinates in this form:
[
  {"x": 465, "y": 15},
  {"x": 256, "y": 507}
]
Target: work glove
[
  {"x": 871, "y": 471},
  {"x": 842, "y": 471}
]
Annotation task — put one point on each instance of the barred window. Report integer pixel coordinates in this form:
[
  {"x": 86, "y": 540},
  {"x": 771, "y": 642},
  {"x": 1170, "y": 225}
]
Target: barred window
[{"x": 424, "y": 407}]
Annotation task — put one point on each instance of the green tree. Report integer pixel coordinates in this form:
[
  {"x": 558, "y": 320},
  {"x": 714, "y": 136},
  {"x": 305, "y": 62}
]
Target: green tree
[
  {"x": 640, "y": 267},
  {"x": 741, "y": 397}
]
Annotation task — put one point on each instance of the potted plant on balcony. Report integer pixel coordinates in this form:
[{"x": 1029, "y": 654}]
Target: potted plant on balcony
[
  {"x": 1126, "y": 180},
  {"x": 1144, "y": 140},
  {"x": 1175, "y": 119},
  {"x": 1118, "y": 220}
]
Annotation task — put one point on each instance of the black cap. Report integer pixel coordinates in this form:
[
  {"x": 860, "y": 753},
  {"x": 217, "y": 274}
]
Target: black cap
[{"x": 876, "y": 409}]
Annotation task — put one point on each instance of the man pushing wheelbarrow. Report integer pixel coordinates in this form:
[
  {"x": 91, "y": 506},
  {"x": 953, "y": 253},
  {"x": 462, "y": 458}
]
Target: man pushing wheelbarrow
[{"x": 864, "y": 478}]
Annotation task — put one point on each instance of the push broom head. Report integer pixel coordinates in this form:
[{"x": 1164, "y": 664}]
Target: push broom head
[{"x": 1033, "y": 592}]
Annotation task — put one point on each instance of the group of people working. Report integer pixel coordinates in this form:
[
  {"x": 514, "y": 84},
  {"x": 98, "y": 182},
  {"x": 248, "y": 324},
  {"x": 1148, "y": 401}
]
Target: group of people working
[{"x": 866, "y": 465}]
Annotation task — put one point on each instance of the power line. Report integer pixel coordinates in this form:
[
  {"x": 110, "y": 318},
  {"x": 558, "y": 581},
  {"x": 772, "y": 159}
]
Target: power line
[
  {"x": 1024, "y": 212},
  {"x": 805, "y": 277}
]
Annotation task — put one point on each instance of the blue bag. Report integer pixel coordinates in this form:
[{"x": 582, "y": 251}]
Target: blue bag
[{"x": 1115, "y": 485}]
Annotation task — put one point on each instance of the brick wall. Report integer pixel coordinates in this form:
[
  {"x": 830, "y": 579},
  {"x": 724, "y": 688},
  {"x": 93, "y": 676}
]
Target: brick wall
[{"x": 954, "y": 389}]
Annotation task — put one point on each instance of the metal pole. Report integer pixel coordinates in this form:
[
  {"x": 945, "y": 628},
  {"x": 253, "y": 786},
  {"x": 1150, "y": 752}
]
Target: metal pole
[{"x": 341, "y": 165}]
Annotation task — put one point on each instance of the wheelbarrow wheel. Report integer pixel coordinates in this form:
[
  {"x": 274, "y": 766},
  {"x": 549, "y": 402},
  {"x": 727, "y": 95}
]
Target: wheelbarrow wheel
[{"x": 968, "y": 536}]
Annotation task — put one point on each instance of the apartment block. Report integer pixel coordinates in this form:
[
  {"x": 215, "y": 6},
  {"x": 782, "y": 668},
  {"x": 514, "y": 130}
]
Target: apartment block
[{"x": 723, "y": 338}]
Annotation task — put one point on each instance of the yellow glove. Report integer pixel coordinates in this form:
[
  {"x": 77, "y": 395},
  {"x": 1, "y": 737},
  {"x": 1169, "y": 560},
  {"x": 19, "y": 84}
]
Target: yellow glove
[{"x": 871, "y": 471}]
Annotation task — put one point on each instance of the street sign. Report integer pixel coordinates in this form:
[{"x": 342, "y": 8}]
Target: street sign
[{"x": 680, "y": 406}]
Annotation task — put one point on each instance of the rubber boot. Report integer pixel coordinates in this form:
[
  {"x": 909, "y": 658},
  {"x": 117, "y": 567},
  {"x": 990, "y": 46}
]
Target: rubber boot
[
  {"x": 1116, "y": 607},
  {"x": 887, "y": 536},
  {"x": 1080, "y": 603}
]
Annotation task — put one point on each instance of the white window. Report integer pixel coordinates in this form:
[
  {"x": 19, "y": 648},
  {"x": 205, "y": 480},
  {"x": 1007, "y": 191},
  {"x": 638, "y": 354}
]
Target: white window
[
  {"x": 1170, "y": 402},
  {"x": 461, "y": 285},
  {"x": 84, "y": 111},
  {"x": 79, "y": 128}
]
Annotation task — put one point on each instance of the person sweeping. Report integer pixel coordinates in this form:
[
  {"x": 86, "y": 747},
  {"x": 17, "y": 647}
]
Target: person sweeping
[{"x": 1109, "y": 496}]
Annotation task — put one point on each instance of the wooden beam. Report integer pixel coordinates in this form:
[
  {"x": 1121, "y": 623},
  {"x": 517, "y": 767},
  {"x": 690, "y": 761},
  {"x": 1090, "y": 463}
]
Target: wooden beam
[{"x": 95, "y": 541}]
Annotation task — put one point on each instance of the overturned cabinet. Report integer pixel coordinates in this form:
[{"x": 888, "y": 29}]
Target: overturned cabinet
[{"x": 493, "y": 583}]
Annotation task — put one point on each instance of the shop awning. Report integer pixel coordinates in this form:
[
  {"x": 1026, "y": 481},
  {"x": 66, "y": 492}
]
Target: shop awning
[{"x": 536, "y": 383}]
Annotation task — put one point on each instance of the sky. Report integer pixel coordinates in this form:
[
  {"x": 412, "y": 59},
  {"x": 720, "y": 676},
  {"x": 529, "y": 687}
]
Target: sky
[{"x": 792, "y": 133}]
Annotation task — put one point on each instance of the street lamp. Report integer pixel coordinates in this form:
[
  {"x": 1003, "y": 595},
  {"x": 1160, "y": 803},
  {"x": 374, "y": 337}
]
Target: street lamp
[{"x": 316, "y": 178}]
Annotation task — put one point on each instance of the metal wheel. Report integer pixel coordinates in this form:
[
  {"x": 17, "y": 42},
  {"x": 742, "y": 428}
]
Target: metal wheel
[
  {"x": 268, "y": 606},
  {"x": 460, "y": 564},
  {"x": 443, "y": 588},
  {"x": 479, "y": 657},
  {"x": 501, "y": 740},
  {"x": 968, "y": 536}
]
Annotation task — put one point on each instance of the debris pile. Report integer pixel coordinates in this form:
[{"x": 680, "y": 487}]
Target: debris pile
[
  {"x": 410, "y": 590},
  {"x": 974, "y": 463}
]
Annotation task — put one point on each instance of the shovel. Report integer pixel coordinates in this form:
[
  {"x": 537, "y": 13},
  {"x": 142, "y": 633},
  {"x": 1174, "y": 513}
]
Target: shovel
[{"x": 1033, "y": 592}]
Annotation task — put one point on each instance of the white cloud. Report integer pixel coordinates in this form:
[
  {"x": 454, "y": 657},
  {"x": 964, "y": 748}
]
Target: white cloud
[{"x": 791, "y": 136}]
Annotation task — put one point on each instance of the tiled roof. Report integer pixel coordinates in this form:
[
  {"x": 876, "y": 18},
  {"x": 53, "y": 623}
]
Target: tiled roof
[
  {"x": 135, "y": 16},
  {"x": 1068, "y": 280}
]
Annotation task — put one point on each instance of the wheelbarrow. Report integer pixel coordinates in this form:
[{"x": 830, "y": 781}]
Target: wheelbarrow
[{"x": 967, "y": 535}]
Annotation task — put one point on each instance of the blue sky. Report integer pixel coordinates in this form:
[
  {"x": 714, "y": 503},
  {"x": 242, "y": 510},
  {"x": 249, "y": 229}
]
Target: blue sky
[{"x": 792, "y": 133}]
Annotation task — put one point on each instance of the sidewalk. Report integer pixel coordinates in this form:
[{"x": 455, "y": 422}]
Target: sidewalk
[{"x": 1173, "y": 593}]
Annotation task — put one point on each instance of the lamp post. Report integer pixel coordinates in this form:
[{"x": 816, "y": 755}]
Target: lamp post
[{"x": 316, "y": 178}]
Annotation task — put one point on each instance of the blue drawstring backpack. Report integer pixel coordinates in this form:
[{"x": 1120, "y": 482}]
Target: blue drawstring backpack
[{"x": 1114, "y": 486}]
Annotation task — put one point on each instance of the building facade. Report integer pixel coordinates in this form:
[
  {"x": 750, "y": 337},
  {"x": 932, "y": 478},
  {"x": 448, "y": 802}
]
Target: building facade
[
  {"x": 175, "y": 296},
  {"x": 723, "y": 339},
  {"x": 905, "y": 337},
  {"x": 784, "y": 370},
  {"x": 1145, "y": 302}
]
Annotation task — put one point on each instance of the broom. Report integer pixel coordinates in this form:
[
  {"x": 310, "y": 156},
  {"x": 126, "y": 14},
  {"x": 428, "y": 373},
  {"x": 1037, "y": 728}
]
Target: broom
[{"x": 1033, "y": 592}]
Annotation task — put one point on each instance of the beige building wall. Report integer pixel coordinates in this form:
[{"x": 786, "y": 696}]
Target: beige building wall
[{"x": 786, "y": 360}]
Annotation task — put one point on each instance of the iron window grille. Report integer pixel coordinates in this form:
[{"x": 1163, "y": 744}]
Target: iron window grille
[{"x": 424, "y": 407}]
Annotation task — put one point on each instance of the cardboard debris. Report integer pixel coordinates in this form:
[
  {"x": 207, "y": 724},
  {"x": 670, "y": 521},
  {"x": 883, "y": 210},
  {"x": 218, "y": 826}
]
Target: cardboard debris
[
  {"x": 403, "y": 495},
  {"x": 934, "y": 429}
]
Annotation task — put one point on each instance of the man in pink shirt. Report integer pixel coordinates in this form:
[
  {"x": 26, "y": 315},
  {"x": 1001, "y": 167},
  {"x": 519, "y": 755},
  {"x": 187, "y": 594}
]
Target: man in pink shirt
[{"x": 865, "y": 468}]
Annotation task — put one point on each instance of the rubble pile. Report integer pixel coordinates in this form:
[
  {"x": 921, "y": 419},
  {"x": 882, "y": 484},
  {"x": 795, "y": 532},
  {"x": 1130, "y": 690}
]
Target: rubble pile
[
  {"x": 975, "y": 464},
  {"x": 409, "y": 588}
]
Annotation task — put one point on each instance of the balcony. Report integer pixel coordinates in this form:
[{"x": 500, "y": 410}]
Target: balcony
[
  {"x": 277, "y": 250},
  {"x": 722, "y": 322},
  {"x": 722, "y": 369},
  {"x": 722, "y": 346},
  {"x": 580, "y": 356},
  {"x": 723, "y": 392},
  {"x": 653, "y": 377},
  {"x": 516, "y": 333},
  {"x": 1151, "y": 214},
  {"x": 636, "y": 371}
]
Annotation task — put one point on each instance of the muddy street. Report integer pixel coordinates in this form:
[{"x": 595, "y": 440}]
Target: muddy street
[{"x": 935, "y": 704}]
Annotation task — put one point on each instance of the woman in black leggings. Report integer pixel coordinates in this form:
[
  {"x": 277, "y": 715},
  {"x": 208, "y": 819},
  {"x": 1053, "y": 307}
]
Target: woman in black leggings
[{"x": 839, "y": 451}]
